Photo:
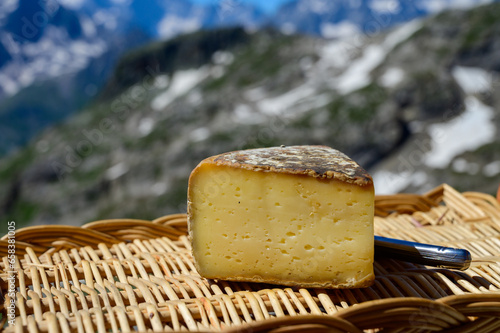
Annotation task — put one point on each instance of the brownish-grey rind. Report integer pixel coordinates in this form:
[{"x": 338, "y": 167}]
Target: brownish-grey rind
[
  {"x": 315, "y": 161},
  {"x": 363, "y": 283}
]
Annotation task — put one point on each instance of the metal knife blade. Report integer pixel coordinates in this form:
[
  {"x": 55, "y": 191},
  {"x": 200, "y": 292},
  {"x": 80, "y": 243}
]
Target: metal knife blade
[{"x": 420, "y": 253}]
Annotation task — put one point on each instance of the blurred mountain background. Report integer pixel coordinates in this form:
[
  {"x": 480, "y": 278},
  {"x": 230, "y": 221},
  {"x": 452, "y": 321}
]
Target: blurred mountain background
[{"x": 107, "y": 105}]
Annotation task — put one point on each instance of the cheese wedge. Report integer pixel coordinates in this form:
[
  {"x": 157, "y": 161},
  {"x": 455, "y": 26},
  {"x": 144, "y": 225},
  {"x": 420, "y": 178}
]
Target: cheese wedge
[{"x": 297, "y": 216}]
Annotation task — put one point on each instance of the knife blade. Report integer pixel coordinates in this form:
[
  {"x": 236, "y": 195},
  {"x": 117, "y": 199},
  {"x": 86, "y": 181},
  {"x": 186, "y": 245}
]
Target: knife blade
[{"x": 420, "y": 253}]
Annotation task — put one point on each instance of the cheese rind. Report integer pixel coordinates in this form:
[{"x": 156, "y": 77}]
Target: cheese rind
[
  {"x": 295, "y": 223},
  {"x": 314, "y": 161}
]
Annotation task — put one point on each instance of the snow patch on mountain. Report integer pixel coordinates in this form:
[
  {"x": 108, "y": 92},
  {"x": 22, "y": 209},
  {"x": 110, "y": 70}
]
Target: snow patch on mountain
[
  {"x": 339, "y": 30},
  {"x": 335, "y": 54},
  {"x": 401, "y": 34},
  {"x": 172, "y": 25},
  {"x": 492, "y": 169},
  {"x": 357, "y": 74},
  {"x": 116, "y": 171},
  {"x": 435, "y": 6},
  {"x": 392, "y": 77},
  {"x": 8, "y": 85},
  {"x": 199, "y": 134},
  {"x": 6, "y": 8},
  {"x": 385, "y": 6},
  {"x": 472, "y": 79},
  {"x": 223, "y": 58},
  {"x": 181, "y": 83},
  {"x": 450, "y": 138},
  {"x": 244, "y": 114},
  {"x": 106, "y": 18},
  {"x": 281, "y": 105},
  {"x": 146, "y": 126},
  {"x": 72, "y": 4},
  {"x": 88, "y": 27},
  {"x": 388, "y": 182},
  {"x": 288, "y": 28}
]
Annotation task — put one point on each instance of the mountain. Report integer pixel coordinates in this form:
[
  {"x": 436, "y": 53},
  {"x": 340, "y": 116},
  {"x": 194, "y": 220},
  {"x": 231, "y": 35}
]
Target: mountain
[
  {"x": 44, "y": 40},
  {"x": 50, "y": 38},
  {"x": 172, "y": 55},
  {"x": 340, "y": 18},
  {"x": 52, "y": 99},
  {"x": 55, "y": 59},
  {"x": 66, "y": 49},
  {"x": 416, "y": 106}
]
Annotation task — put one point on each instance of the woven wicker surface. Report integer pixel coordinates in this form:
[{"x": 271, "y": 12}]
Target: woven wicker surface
[{"x": 134, "y": 275}]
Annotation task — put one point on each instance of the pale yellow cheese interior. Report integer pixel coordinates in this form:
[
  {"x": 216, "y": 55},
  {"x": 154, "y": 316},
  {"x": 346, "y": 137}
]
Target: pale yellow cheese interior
[{"x": 280, "y": 228}]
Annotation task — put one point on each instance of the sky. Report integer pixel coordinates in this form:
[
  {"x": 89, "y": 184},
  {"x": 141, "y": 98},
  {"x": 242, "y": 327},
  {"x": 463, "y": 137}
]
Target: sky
[{"x": 268, "y": 6}]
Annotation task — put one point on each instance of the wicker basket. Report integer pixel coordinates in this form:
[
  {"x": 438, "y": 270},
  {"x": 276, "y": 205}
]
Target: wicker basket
[{"x": 134, "y": 275}]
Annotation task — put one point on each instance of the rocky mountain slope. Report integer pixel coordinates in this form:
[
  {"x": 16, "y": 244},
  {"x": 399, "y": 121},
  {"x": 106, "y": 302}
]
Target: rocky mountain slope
[
  {"x": 68, "y": 47},
  {"x": 417, "y": 106}
]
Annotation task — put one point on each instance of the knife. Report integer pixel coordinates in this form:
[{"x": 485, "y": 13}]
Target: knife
[{"x": 419, "y": 253}]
